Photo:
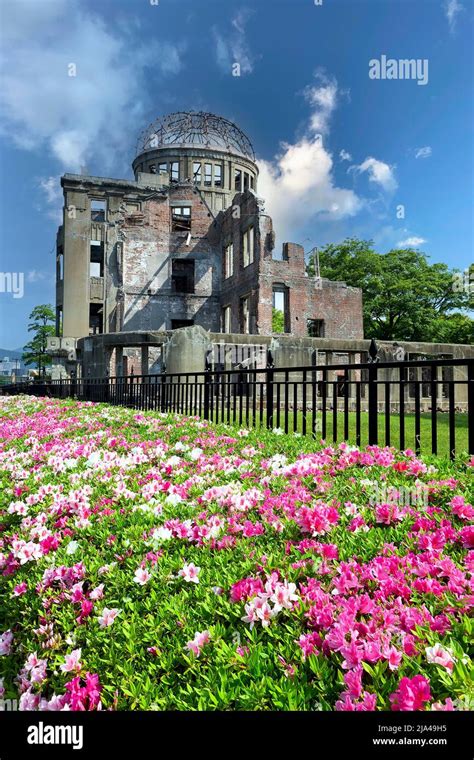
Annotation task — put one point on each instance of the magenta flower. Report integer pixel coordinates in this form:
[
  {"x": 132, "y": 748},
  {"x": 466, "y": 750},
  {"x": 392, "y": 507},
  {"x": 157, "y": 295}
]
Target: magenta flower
[
  {"x": 412, "y": 694},
  {"x": 20, "y": 589}
]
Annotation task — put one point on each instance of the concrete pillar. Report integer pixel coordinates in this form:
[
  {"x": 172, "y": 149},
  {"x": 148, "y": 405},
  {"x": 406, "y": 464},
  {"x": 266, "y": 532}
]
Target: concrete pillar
[
  {"x": 119, "y": 361},
  {"x": 77, "y": 226},
  {"x": 186, "y": 350},
  {"x": 145, "y": 360},
  {"x": 107, "y": 360}
]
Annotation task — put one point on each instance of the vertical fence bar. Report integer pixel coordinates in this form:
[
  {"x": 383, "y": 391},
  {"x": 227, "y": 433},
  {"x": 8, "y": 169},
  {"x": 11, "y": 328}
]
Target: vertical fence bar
[
  {"x": 470, "y": 405},
  {"x": 452, "y": 419},
  {"x": 206, "y": 394},
  {"x": 324, "y": 391},
  {"x": 346, "y": 405},
  {"x": 334, "y": 409},
  {"x": 417, "y": 417},
  {"x": 434, "y": 409},
  {"x": 402, "y": 407},
  {"x": 373, "y": 392},
  {"x": 358, "y": 399},
  {"x": 314, "y": 396},
  {"x": 387, "y": 413},
  {"x": 269, "y": 389},
  {"x": 303, "y": 404}
]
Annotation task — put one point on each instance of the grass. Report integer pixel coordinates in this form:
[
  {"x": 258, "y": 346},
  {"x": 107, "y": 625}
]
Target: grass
[{"x": 425, "y": 442}]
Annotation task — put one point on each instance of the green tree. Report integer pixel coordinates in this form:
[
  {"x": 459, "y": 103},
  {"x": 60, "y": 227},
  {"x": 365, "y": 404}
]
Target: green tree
[
  {"x": 405, "y": 297},
  {"x": 278, "y": 321},
  {"x": 42, "y": 326}
]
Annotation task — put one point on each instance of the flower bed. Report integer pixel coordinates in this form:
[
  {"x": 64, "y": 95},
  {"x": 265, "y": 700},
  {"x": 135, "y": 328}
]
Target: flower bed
[{"x": 160, "y": 562}]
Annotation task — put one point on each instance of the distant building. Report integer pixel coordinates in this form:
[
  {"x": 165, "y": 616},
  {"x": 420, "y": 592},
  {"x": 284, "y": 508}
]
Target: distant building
[{"x": 12, "y": 368}]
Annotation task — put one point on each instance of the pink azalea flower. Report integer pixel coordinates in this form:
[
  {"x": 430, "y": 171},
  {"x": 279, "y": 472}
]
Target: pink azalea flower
[
  {"x": 29, "y": 701},
  {"x": 394, "y": 657},
  {"x": 97, "y": 592},
  {"x": 6, "y": 640},
  {"x": 412, "y": 694},
  {"x": 440, "y": 656},
  {"x": 20, "y": 589},
  {"x": 447, "y": 706},
  {"x": 200, "y": 639},
  {"x": 107, "y": 617},
  {"x": 72, "y": 662},
  {"x": 190, "y": 573},
  {"x": 142, "y": 576}
]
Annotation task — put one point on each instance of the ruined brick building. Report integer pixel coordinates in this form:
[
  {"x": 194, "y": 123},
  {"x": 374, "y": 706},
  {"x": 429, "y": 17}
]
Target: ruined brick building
[{"x": 187, "y": 241}]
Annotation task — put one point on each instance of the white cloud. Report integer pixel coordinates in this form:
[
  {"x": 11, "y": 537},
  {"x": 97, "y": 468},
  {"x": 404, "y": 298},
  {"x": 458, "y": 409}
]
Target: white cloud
[
  {"x": 234, "y": 48},
  {"x": 411, "y": 242},
  {"x": 52, "y": 190},
  {"x": 75, "y": 117},
  {"x": 423, "y": 152},
  {"x": 344, "y": 155},
  {"x": 379, "y": 172},
  {"x": 298, "y": 184},
  {"x": 323, "y": 100},
  {"x": 35, "y": 275},
  {"x": 452, "y": 8}
]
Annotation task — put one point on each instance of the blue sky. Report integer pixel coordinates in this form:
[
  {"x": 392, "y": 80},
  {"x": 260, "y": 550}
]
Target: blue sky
[{"x": 339, "y": 152}]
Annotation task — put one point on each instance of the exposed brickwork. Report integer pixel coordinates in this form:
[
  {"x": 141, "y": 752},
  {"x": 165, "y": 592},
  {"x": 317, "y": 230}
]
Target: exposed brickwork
[{"x": 338, "y": 306}]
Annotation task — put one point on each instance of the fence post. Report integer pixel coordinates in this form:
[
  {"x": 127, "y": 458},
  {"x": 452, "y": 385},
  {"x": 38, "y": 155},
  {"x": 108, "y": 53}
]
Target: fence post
[
  {"x": 269, "y": 389},
  {"x": 470, "y": 404},
  {"x": 72, "y": 386},
  {"x": 373, "y": 394},
  {"x": 207, "y": 386}
]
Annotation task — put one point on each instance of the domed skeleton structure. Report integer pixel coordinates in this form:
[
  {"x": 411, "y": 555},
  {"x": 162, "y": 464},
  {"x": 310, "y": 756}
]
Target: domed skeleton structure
[{"x": 192, "y": 129}]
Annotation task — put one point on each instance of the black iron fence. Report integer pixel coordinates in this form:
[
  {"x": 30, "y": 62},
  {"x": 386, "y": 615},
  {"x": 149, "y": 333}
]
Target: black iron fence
[{"x": 405, "y": 404}]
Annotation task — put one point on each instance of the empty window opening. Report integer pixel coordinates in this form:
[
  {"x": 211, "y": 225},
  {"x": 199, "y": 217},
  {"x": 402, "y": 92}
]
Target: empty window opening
[
  {"x": 95, "y": 318},
  {"x": 315, "y": 328},
  {"x": 98, "y": 209},
  {"x": 218, "y": 175},
  {"x": 163, "y": 168},
  {"x": 252, "y": 182},
  {"x": 60, "y": 266},
  {"x": 59, "y": 320},
  {"x": 226, "y": 319},
  {"x": 248, "y": 239},
  {"x": 207, "y": 175},
  {"x": 246, "y": 181},
  {"x": 245, "y": 315},
  {"x": 228, "y": 260},
  {"x": 181, "y": 219},
  {"x": 238, "y": 179},
  {"x": 197, "y": 172},
  {"x": 280, "y": 313},
  {"x": 177, "y": 323},
  {"x": 182, "y": 275},
  {"x": 96, "y": 260},
  {"x": 175, "y": 171}
]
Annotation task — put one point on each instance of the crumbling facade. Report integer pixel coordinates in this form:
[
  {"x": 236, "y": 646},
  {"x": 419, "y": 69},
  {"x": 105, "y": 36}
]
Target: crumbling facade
[{"x": 187, "y": 241}]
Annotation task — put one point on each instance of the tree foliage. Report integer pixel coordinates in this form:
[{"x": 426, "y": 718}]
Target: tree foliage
[
  {"x": 278, "y": 321},
  {"x": 405, "y": 297},
  {"x": 42, "y": 326}
]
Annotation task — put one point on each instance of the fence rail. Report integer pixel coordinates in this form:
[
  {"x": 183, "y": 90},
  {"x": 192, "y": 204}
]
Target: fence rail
[{"x": 377, "y": 402}]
